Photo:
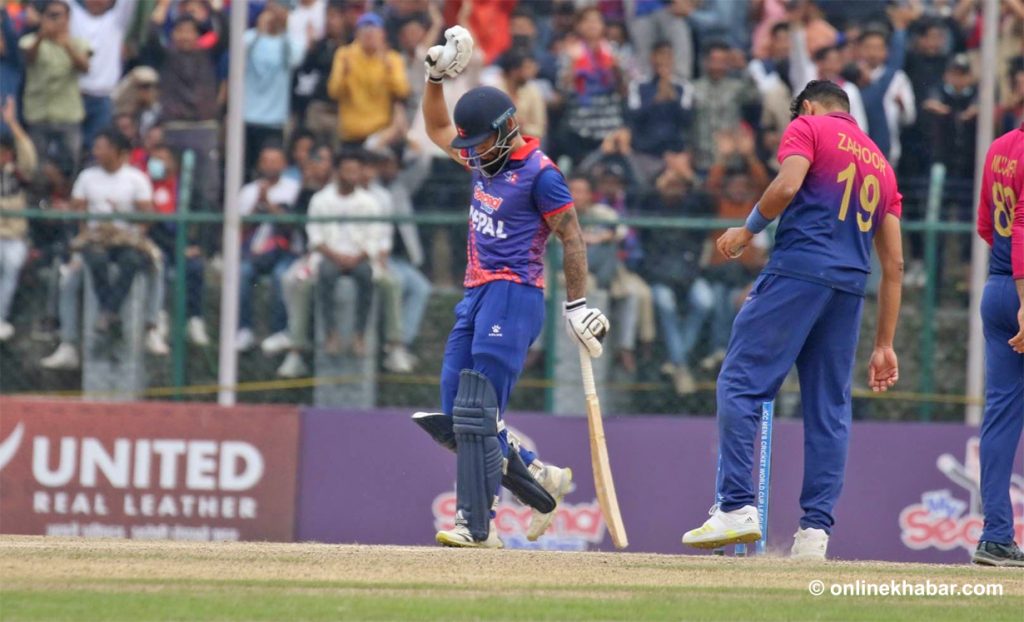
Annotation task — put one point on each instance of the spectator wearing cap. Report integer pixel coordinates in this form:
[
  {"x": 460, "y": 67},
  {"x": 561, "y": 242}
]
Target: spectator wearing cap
[
  {"x": 952, "y": 118},
  {"x": 102, "y": 24},
  {"x": 369, "y": 83},
  {"x": 271, "y": 55},
  {"x": 52, "y": 102},
  {"x": 138, "y": 96},
  {"x": 189, "y": 85}
]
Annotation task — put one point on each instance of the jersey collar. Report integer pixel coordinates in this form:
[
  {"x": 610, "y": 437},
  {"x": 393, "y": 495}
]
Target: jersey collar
[
  {"x": 532, "y": 144},
  {"x": 842, "y": 115}
]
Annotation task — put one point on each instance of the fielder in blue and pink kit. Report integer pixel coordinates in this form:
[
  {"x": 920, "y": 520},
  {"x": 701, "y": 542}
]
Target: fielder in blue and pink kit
[
  {"x": 1001, "y": 224},
  {"x": 839, "y": 195},
  {"x": 519, "y": 199}
]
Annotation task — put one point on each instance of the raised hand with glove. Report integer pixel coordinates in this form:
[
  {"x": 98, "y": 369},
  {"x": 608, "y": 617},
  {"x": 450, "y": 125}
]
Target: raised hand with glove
[
  {"x": 586, "y": 325},
  {"x": 449, "y": 60}
]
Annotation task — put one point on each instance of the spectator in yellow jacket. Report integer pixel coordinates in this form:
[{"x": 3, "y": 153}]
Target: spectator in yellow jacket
[{"x": 369, "y": 82}]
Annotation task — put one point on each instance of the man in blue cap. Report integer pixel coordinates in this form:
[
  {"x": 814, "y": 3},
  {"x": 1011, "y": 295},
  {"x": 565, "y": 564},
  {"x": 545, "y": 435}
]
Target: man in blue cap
[
  {"x": 368, "y": 81},
  {"x": 519, "y": 198}
]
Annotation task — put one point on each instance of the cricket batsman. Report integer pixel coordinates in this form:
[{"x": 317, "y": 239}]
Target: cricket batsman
[
  {"x": 519, "y": 198},
  {"x": 1001, "y": 224},
  {"x": 836, "y": 194}
]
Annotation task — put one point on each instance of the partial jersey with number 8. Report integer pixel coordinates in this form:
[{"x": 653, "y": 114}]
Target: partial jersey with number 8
[
  {"x": 1002, "y": 191},
  {"x": 825, "y": 234}
]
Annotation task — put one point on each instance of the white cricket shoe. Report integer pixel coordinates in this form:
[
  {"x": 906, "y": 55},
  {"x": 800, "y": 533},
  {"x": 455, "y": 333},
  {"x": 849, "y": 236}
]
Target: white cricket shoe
[
  {"x": 398, "y": 360},
  {"x": 276, "y": 343},
  {"x": 460, "y": 537},
  {"x": 809, "y": 544},
  {"x": 155, "y": 343},
  {"x": 244, "y": 340},
  {"x": 6, "y": 330},
  {"x": 197, "y": 332},
  {"x": 293, "y": 366},
  {"x": 558, "y": 483},
  {"x": 725, "y": 528},
  {"x": 64, "y": 357}
]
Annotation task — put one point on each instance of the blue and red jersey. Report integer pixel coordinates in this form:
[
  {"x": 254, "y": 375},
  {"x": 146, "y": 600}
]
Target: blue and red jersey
[
  {"x": 507, "y": 230},
  {"x": 825, "y": 234},
  {"x": 1001, "y": 204}
]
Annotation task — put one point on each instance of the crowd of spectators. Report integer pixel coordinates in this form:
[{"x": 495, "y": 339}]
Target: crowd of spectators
[{"x": 652, "y": 107}]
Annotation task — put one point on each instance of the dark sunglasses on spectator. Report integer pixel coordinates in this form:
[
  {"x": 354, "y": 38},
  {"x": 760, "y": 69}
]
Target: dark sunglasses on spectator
[
  {"x": 54, "y": 14},
  {"x": 147, "y": 85}
]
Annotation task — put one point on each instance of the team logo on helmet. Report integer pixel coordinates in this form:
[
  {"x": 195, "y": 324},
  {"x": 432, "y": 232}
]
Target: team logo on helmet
[{"x": 462, "y": 132}]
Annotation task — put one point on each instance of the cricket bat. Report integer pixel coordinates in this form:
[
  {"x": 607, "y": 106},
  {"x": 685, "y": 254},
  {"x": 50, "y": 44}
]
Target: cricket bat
[{"x": 599, "y": 457}]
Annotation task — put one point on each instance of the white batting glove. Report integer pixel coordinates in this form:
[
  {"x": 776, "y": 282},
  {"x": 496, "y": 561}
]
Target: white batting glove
[
  {"x": 588, "y": 326},
  {"x": 449, "y": 60}
]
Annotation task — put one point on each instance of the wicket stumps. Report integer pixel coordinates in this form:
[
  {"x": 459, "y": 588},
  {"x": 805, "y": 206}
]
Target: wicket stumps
[{"x": 764, "y": 478}]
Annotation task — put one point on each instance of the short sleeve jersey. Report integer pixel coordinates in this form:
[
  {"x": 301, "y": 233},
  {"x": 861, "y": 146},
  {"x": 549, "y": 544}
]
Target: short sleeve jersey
[
  {"x": 1001, "y": 204},
  {"x": 507, "y": 230},
  {"x": 825, "y": 234}
]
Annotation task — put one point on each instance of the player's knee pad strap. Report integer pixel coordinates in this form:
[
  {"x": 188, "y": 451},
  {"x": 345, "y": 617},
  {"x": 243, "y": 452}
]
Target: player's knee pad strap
[
  {"x": 516, "y": 478},
  {"x": 479, "y": 458}
]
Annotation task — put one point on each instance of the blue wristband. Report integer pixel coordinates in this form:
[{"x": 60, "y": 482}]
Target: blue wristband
[{"x": 756, "y": 222}]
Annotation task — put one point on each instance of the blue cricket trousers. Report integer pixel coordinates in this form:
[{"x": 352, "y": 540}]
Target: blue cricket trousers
[
  {"x": 1004, "y": 406},
  {"x": 786, "y": 321},
  {"x": 494, "y": 327}
]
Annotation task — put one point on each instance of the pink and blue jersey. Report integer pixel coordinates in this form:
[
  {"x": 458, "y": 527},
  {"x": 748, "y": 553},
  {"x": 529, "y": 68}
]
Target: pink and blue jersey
[
  {"x": 507, "y": 230},
  {"x": 825, "y": 234},
  {"x": 1001, "y": 204}
]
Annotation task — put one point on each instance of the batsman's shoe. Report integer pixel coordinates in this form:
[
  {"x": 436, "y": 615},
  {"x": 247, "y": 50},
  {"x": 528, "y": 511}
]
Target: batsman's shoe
[
  {"x": 809, "y": 544},
  {"x": 460, "y": 537},
  {"x": 558, "y": 483},
  {"x": 996, "y": 554},
  {"x": 741, "y": 526}
]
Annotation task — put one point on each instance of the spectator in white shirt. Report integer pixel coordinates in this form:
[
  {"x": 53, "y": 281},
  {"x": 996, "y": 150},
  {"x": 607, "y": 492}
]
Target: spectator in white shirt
[
  {"x": 307, "y": 21},
  {"x": 101, "y": 23},
  {"x": 266, "y": 249},
  {"x": 339, "y": 248},
  {"x": 112, "y": 187}
]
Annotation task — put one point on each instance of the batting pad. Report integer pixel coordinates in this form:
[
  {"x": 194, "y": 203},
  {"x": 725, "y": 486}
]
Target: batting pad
[{"x": 478, "y": 454}]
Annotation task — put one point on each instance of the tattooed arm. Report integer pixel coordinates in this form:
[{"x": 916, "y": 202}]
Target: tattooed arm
[{"x": 566, "y": 226}]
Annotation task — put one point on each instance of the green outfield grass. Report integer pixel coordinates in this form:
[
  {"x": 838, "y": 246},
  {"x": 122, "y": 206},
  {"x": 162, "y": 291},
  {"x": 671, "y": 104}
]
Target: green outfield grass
[{"x": 62, "y": 579}]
